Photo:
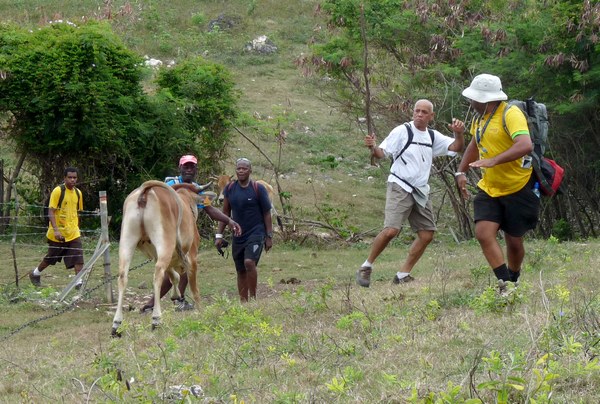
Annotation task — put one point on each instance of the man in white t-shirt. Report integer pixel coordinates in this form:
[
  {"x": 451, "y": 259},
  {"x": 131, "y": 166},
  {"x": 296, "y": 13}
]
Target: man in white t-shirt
[{"x": 407, "y": 187}]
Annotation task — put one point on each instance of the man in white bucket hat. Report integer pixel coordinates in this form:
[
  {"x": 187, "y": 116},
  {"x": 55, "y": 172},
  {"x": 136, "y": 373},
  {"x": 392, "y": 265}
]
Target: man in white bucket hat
[{"x": 505, "y": 198}]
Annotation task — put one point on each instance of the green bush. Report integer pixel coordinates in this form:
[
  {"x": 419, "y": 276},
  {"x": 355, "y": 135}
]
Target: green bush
[{"x": 562, "y": 230}]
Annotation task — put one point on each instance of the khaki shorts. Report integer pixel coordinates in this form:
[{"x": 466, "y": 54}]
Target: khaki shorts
[{"x": 400, "y": 205}]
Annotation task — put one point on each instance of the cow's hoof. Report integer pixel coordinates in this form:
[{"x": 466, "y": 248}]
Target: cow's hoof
[
  {"x": 115, "y": 333},
  {"x": 155, "y": 323}
]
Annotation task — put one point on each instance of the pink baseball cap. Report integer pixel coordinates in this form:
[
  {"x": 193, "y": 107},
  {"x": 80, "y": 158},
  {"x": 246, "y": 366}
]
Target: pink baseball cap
[{"x": 188, "y": 158}]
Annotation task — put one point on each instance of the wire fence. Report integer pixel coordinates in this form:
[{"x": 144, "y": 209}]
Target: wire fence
[
  {"x": 66, "y": 307},
  {"x": 23, "y": 241},
  {"x": 24, "y": 235}
]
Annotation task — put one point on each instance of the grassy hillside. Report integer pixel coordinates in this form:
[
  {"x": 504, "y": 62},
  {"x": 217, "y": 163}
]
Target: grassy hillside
[
  {"x": 322, "y": 147},
  {"x": 312, "y": 336}
]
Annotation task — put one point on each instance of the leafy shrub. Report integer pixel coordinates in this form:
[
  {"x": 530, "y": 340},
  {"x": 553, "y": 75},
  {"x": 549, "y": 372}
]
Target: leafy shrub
[
  {"x": 562, "y": 230},
  {"x": 198, "y": 19}
]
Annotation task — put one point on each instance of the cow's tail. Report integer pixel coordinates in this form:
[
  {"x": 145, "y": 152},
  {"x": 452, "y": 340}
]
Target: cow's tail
[{"x": 178, "y": 244}]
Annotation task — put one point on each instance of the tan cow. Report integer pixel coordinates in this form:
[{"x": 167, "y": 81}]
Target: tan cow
[
  {"x": 224, "y": 180},
  {"x": 160, "y": 221}
]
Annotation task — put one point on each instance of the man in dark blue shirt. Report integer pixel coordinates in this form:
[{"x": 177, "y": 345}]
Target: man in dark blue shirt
[
  {"x": 248, "y": 204},
  {"x": 188, "y": 170}
]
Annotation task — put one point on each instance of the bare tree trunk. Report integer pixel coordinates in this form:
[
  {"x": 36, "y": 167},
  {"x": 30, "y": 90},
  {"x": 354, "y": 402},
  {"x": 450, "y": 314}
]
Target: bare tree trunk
[
  {"x": 2, "y": 221},
  {"x": 9, "y": 186},
  {"x": 444, "y": 169},
  {"x": 367, "y": 98}
]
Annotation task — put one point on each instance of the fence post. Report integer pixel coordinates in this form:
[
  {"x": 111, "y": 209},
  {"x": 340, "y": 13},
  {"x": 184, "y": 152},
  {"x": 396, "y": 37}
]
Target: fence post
[
  {"x": 105, "y": 240},
  {"x": 14, "y": 237},
  {"x": 2, "y": 207}
]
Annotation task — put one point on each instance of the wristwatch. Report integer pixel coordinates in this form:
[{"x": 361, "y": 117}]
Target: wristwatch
[{"x": 270, "y": 234}]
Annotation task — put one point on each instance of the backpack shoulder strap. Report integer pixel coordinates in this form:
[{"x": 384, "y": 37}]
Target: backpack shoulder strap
[
  {"x": 431, "y": 135},
  {"x": 78, "y": 192},
  {"x": 62, "y": 196},
  {"x": 509, "y": 105},
  {"x": 409, "y": 139},
  {"x": 230, "y": 185},
  {"x": 255, "y": 186},
  {"x": 504, "y": 119}
]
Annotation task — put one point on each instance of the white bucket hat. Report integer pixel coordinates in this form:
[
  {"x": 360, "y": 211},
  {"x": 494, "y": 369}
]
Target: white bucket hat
[{"x": 485, "y": 88}]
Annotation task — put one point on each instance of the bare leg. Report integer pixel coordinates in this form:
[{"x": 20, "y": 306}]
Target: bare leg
[
  {"x": 486, "y": 232},
  {"x": 183, "y": 282},
  {"x": 417, "y": 249},
  {"x": 251, "y": 278},
  {"x": 381, "y": 241},
  {"x": 42, "y": 265},
  {"x": 164, "y": 289},
  {"x": 515, "y": 252},
  {"x": 242, "y": 286}
]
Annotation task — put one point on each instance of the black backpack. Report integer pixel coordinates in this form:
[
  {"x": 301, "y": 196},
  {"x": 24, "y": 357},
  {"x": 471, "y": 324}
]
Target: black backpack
[{"x": 548, "y": 173}]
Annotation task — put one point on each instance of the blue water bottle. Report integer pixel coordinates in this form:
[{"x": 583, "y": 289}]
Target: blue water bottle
[{"x": 536, "y": 189}]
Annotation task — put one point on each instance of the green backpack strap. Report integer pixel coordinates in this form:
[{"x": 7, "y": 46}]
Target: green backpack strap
[{"x": 62, "y": 196}]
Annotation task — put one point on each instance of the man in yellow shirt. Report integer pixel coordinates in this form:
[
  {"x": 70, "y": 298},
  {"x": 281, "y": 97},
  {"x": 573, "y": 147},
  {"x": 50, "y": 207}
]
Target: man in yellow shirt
[
  {"x": 64, "y": 241},
  {"x": 505, "y": 199}
]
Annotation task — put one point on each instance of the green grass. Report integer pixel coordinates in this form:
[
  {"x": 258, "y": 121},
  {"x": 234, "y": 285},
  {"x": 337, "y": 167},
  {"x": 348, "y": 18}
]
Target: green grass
[{"x": 323, "y": 338}]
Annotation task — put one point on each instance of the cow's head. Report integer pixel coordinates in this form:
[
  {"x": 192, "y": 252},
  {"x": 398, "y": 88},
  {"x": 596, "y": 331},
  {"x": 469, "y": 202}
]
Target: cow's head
[{"x": 222, "y": 181}]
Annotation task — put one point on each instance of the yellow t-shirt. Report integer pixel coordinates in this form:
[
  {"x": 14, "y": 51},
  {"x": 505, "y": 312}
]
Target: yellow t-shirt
[
  {"x": 510, "y": 177},
  {"x": 66, "y": 217}
]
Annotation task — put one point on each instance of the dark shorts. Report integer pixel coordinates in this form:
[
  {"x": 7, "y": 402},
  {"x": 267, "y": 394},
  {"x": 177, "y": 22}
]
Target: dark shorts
[
  {"x": 71, "y": 252},
  {"x": 251, "y": 249},
  {"x": 516, "y": 213}
]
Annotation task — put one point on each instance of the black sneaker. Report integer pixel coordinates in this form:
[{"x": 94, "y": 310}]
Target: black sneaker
[
  {"x": 363, "y": 276},
  {"x": 35, "y": 280},
  {"x": 506, "y": 288},
  {"x": 398, "y": 281}
]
